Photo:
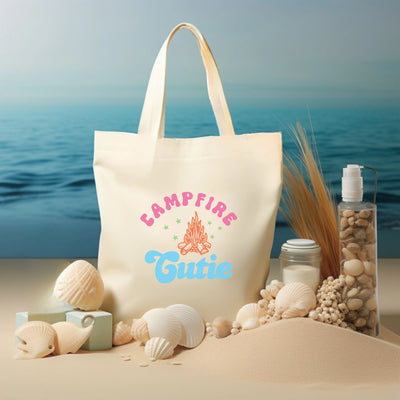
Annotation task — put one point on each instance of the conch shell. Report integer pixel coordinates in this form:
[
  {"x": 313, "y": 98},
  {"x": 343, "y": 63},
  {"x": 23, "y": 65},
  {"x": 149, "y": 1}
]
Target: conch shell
[
  {"x": 295, "y": 299},
  {"x": 158, "y": 322},
  {"x": 248, "y": 317},
  {"x": 192, "y": 325},
  {"x": 121, "y": 334},
  {"x": 37, "y": 340},
  {"x": 158, "y": 348},
  {"x": 71, "y": 337},
  {"x": 80, "y": 285}
]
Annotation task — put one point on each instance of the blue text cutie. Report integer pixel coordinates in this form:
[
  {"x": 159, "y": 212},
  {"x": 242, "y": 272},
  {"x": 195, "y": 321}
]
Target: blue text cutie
[{"x": 168, "y": 268}]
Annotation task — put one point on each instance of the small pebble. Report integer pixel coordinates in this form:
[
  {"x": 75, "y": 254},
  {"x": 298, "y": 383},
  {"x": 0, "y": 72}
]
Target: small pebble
[
  {"x": 143, "y": 365},
  {"x": 176, "y": 363}
]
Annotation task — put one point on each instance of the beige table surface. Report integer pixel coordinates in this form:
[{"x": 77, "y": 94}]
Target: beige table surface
[{"x": 26, "y": 283}]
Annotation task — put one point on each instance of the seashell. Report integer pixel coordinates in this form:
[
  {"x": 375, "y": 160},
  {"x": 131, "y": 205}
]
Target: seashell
[
  {"x": 295, "y": 299},
  {"x": 37, "y": 340},
  {"x": 371, "y": 303},
  {"x": 221, "y": 327},
  {"x": 140, "y": 331},
  {"x": 162, "y": 323},
  {"x": 192, "y": 325},
  {"x": 158, "y": 348},
  {"x": 249, "y": 316},
  {"x": 70, "y": 337},
  {"x": 354, "y": 304},
  {"x": 353, "y": 267},
  {"x": 121, "y": 334},
  {"x": 80, "y": 285},
  {"x": 369, "y": 268}
]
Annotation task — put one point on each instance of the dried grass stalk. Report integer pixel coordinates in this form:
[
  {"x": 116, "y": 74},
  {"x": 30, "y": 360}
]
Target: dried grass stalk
[{"x": 309, "y": 206}]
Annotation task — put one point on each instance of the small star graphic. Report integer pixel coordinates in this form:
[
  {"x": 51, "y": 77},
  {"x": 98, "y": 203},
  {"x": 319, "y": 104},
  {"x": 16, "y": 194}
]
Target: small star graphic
[
  {"x": 178, "y": 221},
  {"x": 165, "y": 227},
  {"x": 220, "y": 227},
  {"x": 209, "y": 222},
  {"x": 212, "y": 236},
  {"x": 175, "y": 237}
]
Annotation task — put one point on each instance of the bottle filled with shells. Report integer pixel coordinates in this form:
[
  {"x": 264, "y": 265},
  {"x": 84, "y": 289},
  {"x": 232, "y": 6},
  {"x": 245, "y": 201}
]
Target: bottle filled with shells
[{"x": 358, "y": 248}]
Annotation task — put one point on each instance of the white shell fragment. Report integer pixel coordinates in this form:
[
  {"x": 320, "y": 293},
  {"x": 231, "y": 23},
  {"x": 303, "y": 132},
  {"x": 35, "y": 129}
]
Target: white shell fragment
[
  {"x": 249, "y": 316},
  {"x": 193, "y": 328},
  {"x": 81, "y": 286},
  {"x": 70, "y": 337},
  {"x": 121, "y": 334},
  {"x": 295, "y": 299},
  {"x": 37, "y": 340},
  {"x": 158, "y": 348}
]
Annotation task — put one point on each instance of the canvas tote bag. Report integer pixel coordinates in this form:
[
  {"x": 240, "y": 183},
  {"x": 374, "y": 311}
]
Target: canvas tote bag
[{"x": 185, "y": 220}]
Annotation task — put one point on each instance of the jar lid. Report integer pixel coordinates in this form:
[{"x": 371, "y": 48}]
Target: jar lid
[{"x": 301, "y": 246}]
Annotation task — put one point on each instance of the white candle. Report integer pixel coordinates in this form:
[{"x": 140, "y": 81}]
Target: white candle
[{"x": 301, "y": 273}]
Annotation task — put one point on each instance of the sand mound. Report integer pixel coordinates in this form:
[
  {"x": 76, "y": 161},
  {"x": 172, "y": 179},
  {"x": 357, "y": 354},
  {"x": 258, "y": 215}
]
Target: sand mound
[{"x": 298, "y": 351}]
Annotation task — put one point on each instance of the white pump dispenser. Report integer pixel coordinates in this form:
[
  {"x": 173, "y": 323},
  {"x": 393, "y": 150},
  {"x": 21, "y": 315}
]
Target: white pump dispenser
[{"x": 352, "y": 183}]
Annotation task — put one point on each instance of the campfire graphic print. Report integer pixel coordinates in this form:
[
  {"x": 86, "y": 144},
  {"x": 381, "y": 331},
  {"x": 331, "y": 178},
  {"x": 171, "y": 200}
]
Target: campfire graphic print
[{"x": 195, "y": 239}]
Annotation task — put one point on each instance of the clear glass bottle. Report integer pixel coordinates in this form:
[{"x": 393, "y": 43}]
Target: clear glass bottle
[
  {"x": 300, "y": 262},
  {"x": 358, "y": 249}
]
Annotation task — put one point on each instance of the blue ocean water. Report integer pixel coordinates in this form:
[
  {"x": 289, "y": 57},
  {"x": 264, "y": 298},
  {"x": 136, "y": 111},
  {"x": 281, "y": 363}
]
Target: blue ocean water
[{"x": 46, "y": 153}]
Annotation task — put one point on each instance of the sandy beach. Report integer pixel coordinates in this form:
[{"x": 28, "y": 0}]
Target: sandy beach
[{"x": 290, "y": 359}]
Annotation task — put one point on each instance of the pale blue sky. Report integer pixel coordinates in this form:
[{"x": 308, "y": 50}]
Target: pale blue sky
[{"x": 269, "y": 52}]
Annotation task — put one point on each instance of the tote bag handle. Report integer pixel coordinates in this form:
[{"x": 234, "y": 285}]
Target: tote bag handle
[{"x": 152, "y": 120}]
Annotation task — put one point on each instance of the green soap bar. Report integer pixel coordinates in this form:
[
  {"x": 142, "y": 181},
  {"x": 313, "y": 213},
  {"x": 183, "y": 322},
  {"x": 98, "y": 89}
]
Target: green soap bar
[
  {"x": 101, "y": 336},
  {"x": 49, "y": 316}
]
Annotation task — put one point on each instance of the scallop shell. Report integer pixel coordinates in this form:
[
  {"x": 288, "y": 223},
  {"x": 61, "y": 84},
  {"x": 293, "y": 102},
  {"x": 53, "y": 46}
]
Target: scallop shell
[
  {"x": 140, "y": 331},
  {"x": 158, "y": 348},
  {"x": 295, "y": 299},
  {"x": 37, "y": 340},
  {"x": 80, "y": 285},
  {"x": 193, "y": 325},
  {"x": 163, "y": 323},
  {"x": 121, "y": 334},
  {"x": 70, "y": 337},
  {"x": 249, "y": 316}
]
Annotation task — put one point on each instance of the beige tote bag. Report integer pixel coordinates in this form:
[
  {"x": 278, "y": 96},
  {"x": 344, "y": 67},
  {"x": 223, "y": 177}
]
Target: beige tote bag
[{"x": 185, "y": 220}]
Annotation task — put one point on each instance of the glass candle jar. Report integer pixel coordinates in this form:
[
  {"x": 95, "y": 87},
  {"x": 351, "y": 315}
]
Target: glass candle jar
[{"x": 300, "y": 262}]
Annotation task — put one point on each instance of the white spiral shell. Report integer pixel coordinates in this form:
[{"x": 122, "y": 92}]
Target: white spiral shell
[
  {"x": 70, "y": 337},
  {"x": 295, "y": 299},
  {"x": 193, "y": 328}
]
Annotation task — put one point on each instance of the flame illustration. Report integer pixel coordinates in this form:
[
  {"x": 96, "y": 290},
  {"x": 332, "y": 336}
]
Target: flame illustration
[{"x": 195, "y": 239}]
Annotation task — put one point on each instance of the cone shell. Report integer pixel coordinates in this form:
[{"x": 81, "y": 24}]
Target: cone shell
[
  {"x": 158, "y": 348},
  {"x": 295, "y": 299},
  {"x": 80, "y": 285},
  {"x": 140, "y": 331},
  {"x": 70, "y": 337},
  {"x": 121, "y": 334},
  {"x": 163, "y": 323},
  {"x": 37, "y": 340},
  {"x": 249, "y": 316},
  {"x": 193, "y": 328}
]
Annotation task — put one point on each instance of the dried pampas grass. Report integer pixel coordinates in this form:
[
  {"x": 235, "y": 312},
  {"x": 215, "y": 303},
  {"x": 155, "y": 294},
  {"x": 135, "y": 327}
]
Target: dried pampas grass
[{"x": 308, "y": 204}]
